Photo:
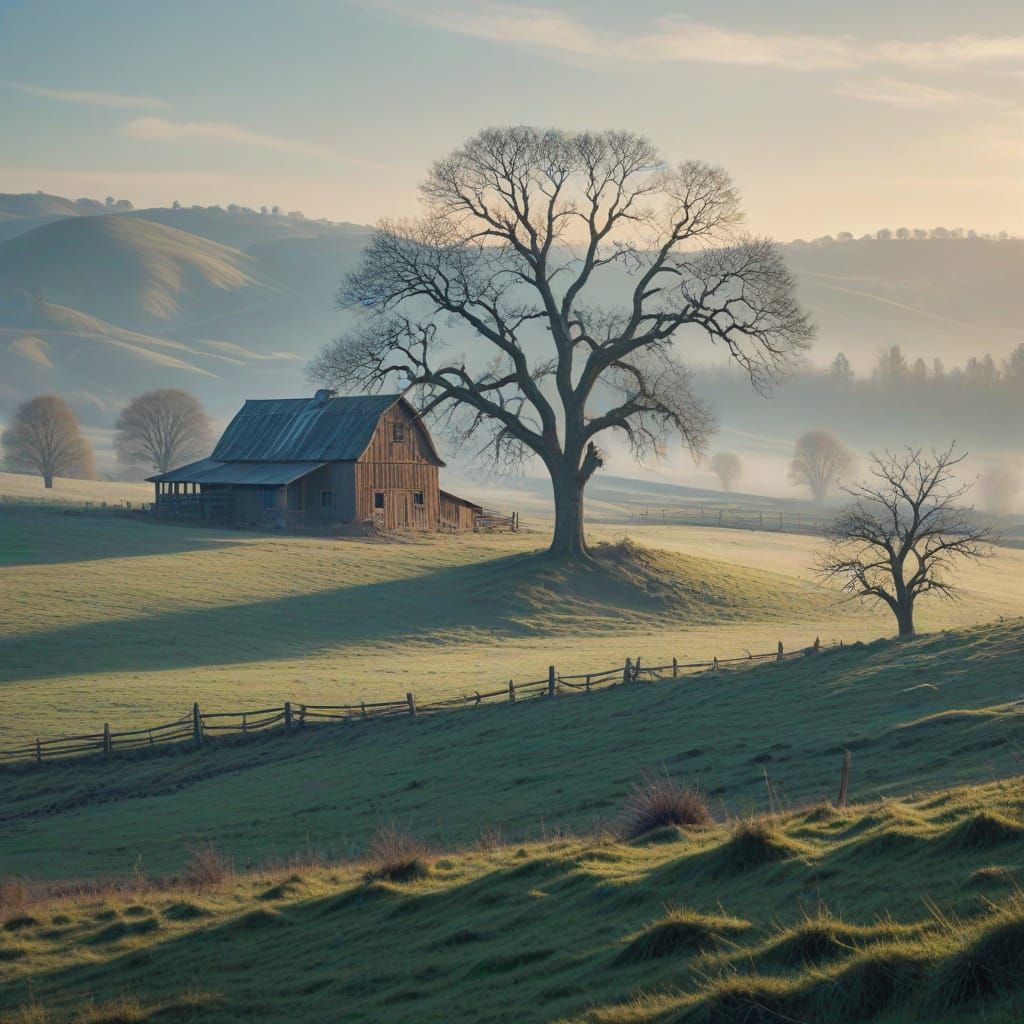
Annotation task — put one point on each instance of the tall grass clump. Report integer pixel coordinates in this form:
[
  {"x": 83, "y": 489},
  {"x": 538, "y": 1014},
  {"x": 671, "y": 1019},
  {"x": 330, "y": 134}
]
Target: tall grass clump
[
  {"x": 396, "y": 855},
  {"x": 657, "y": 802},
  {"x": 207, "y": 866},
  {"x": 679, "y": 933}
]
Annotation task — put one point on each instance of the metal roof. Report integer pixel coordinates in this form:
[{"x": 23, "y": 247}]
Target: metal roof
[
  {"x": 305, "y": 429},
  {"x": 212, "y": 471}
]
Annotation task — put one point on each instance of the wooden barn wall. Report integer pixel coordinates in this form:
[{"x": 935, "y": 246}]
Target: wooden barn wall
[
  {"x": 457, "y": 515},
  {"x": 399, "y": 468}
]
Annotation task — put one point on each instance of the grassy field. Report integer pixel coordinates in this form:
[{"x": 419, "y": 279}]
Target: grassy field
[
  {"x": 121, "y": 620},
  {"x": 19, "y": 486},
  {"x": 894, "y": 911},
  {"x": 935, "y": 712}
]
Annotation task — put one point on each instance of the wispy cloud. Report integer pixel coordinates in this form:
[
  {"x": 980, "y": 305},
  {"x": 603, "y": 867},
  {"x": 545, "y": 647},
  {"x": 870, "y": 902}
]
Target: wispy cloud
[
  {"x": 159, "y": 129},
  {"x": 681, "y": 39},
  {"x": 87, "y": 97},
  {"x": 905, "y": 95}
]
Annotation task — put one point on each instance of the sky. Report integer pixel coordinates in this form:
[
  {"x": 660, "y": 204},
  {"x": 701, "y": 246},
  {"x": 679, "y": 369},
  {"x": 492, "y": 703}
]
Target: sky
[{"x": 830, "y": 117}]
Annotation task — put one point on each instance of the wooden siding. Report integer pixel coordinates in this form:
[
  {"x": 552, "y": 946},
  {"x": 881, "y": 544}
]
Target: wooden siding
[
  {"x": 399, "y": 469},
  {"x": 456, "y": 513}
]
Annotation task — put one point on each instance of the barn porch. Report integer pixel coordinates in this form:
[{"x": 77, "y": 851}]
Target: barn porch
[{"x": 271, "y": 495}]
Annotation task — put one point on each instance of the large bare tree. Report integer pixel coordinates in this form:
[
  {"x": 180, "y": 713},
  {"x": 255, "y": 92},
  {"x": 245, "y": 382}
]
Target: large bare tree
[
  {"x": 44, "y": 438},
  {"x": 162, "y": 429},
  {"x": 904, "y": 532},
  {"x": 819, "y": 461},
  {"x": 526, "y": 238}
]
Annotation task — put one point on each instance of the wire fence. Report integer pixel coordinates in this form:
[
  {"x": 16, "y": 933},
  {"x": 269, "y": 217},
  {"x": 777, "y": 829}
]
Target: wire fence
[
  {"x": 199, "y": 728},
  {"x": 735, "y": 518}
]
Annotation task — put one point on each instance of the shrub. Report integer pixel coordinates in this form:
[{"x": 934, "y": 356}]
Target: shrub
[
  {"x": 207, "y": 866},
  {"x": 14, "y": 898},
  {"x": 397, "y": 855},
  {"x": 658, "y": 802}
]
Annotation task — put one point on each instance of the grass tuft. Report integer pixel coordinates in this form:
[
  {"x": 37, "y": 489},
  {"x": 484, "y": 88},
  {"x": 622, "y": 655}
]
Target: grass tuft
[
  {"x": 982, "y": 831},
  {"x": 680, "y": 933},
  {"x": 397, "y": 856},
  {"x": 754, "y": 843},
  {"x": 657, "y": 802},
  {"x": 208, "y": 866}
]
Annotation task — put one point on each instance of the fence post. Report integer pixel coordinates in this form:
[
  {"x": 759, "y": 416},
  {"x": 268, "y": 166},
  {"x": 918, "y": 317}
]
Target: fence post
[
  {"x": 302, "y": 715},
  {"x": 627, "y": 671},
  {"x": 287, "y": 716},
  {"x": 844, "y": 780},
  {"x": 588, "y": 684},
  {"x": 197, "y": 725},
  {"x": 636, "y": 671},
  {"x": 551, "y": 680},
  {"x": 151, "y": 737},
  {"x": 411, "y": 698},
  {"x": 778, "y": 656},
  {"x": 39, "y": 752},
  {"x": 675, "y": 668},
  {"x": 817, "y": 644},
  {"x": 511, "y": 690},
  {"x": 714, "y": 665},
  {"x": 107, "y": 745},
  {"x": 245, "y": 722}
]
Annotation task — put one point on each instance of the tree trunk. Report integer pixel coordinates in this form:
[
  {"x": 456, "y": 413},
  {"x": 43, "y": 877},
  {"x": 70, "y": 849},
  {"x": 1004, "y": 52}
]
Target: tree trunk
[
  {"x": 568, "y": 541},
  {"x": 48, "y": 480},
  {"x": 905, "y": 619}
]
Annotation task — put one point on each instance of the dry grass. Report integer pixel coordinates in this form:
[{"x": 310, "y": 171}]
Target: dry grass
[
  {"x": 207, "y": 866},
  {"x": 657, "y": 802},
  {"x": 396, "y": 855}
]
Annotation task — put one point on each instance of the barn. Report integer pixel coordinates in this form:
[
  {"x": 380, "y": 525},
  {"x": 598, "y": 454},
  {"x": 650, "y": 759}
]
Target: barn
[{"x": 295, "y": 463}]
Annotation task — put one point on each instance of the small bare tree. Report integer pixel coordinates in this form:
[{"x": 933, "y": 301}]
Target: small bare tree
[
  {"x": 903, "y": 532},
  {"x": 162, "y": 429},
  {"x": 573, "y": 262},
  {"x": 819, "y": 461},
  {"x": 44, "y": 438},
  {"x": 729, "y": 468}
]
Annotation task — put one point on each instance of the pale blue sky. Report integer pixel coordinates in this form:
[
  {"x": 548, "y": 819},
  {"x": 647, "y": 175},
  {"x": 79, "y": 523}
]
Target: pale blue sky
[{"x": 830, "y": 116}]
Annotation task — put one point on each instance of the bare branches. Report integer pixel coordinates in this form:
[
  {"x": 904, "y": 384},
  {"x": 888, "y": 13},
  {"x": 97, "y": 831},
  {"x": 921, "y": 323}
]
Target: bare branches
[
  {"x": 904, "y": 532},
  {"x": 44, "y": 438},
  {"x": 820, "y": 460},
  {"x": 161, "y": 429},
  {"x": 524, "y": 234}
]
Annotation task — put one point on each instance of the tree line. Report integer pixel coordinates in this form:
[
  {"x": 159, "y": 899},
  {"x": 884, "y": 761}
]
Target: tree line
[{"x": 157, "y": 431}]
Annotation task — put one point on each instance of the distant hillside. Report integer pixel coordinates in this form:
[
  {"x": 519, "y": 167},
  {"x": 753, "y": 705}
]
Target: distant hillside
[{"x": 131, "y": 272}]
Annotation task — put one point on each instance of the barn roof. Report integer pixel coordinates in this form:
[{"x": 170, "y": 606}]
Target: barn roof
[
  {"x": 210, "y": 471},
  {"x": 321, "y": 429}
]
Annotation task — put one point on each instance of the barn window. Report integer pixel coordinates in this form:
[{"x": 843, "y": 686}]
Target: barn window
[
  {"x": 417, "y": 497},
  {"x": 397, "y": 431},
  {"x": 327, "y": 499},
  {"x": 378, "y": 499}
]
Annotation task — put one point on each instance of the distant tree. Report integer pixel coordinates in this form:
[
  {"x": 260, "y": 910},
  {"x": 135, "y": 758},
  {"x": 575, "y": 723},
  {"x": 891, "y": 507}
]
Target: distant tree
[
  {"x": 44, "y": 438},
  {"x": 264, "y": 210},
  {"x": 938, "y": 369},
  {"x": 883, "y": 234},
  {"x": 903, "y": 233},
  {"x": 234, "y": 208},
  {"x": 1013, "y": 367},
  {"x": 920, "y": 234},
  {"x": 940, "y": 232},
  {"x": 919, "y": 371},
  {"x": 891, "y": 366},
  {"x": 729, "y": 468},
  {"x": 109, "y": 201},
  {"x": 175, "y": 205},
  {"x": 998, "y": 486},
  {"x": 819, "y": 461},
  {"x": 844, "y": 236},
  {"x": 903, "y": 533},
  {"x": 841, "y": 369},
  {"x": 276, "y": 211},
  {"x": 162, "y": 429},
  {"x": 297, "y": 214}
]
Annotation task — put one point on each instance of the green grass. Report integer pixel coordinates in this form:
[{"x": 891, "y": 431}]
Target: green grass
[
  {"x": 847, "y": 926},
  {"x": 934, "y": 712},
  {"x": 110, "y": 619}
]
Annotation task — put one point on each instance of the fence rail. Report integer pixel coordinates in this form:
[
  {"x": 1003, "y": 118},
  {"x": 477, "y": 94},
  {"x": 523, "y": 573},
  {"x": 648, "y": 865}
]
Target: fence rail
[
  {"x": 198, "y": 727},
  {"x": 737, "y": 519}
]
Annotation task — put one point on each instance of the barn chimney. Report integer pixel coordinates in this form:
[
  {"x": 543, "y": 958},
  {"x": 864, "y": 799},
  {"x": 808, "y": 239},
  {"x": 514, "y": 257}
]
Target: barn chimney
[{"x": 324, "y": 395}]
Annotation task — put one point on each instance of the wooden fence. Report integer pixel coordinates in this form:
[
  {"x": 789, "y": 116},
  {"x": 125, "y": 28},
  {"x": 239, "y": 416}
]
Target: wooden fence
[
  {"x": 736, "y": 519},
  {"x": 199, "y": 728}
]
